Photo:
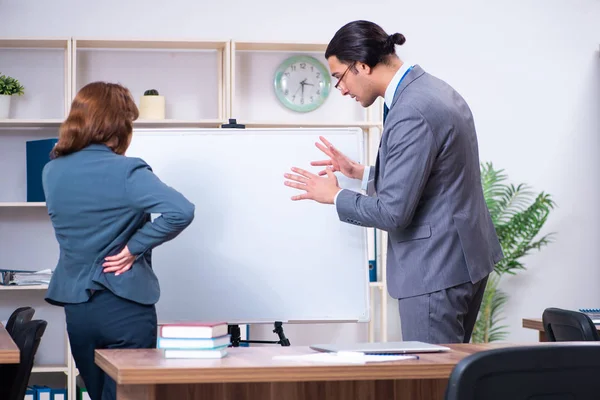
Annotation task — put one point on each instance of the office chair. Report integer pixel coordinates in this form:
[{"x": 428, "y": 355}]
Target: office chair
[
  {"x": 18, "y": 317},
  {"x": 15, "y": 377},
  {"x": 565, "y": 371},
  {"x": 568, "y": 326}
]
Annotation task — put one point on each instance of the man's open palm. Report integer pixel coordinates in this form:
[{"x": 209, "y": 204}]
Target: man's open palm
[{"x": 338, "y": 161}]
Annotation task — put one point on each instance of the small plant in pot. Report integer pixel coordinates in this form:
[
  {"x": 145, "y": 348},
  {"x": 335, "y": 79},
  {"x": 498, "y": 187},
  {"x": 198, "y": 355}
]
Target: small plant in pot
[
  {"x": 8, "y": 87},
  {"x": 152, "y": 105}
]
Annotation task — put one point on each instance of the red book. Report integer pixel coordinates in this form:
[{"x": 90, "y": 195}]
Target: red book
[{"x": 193, "y": 330}]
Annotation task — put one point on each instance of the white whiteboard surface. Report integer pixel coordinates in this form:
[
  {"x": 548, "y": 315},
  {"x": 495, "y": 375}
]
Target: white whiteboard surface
[{"x": 253, "y": 255}]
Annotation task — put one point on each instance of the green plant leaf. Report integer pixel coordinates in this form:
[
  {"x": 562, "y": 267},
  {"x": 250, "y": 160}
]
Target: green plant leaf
[
  {"x": 518, "y": 215},
  {"x": 10, "y": 86}
]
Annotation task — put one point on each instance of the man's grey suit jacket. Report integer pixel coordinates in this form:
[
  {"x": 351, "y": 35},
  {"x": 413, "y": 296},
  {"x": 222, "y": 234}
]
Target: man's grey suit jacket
[{"x": 426, "y": 192}]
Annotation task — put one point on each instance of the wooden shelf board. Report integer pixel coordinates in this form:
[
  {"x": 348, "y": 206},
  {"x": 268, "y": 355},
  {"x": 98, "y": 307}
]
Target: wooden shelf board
[
  {"x": 165, "y": 123},
  {"x": 30, "y": 123},
  {"x": 143, "y": 44},
  {"x": 282, "y": 46},
  {"x": 308, "y": 124},
  {"x": 50, "y": 368},
  {"x": 22, "y": 204},
  {"x": 23, "y": 43},
  {"x": 24, "y": 287}
]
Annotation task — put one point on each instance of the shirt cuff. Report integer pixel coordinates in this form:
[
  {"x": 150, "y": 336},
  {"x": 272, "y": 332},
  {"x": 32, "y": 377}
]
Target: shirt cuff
[{"x": 365, "y": 179}]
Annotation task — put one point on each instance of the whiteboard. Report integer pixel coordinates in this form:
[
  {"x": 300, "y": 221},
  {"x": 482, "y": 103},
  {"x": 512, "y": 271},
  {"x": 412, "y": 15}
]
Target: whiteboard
[{"x": 252, "y": 255}]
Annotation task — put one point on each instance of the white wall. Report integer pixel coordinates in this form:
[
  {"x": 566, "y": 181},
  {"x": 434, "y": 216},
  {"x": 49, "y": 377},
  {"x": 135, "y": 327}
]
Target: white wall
[{"x": 530, "y": 70}]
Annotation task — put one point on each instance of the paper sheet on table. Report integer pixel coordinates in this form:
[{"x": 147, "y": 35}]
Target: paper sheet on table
[{"x": 344, "y": 358}]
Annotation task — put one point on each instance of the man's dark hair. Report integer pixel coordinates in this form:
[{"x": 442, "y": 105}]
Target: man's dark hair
[{"x": 365, "y": 42}]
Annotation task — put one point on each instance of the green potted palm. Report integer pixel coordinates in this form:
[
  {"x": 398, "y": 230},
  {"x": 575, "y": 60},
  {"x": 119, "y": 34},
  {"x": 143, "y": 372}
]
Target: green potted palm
[
  {"x": 518, "y": 215},
  {"x": 8, "y": 87}
]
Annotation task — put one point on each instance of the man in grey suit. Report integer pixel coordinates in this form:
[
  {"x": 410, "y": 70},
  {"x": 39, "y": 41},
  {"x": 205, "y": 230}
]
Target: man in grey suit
[{"x": 425, "y": 189}]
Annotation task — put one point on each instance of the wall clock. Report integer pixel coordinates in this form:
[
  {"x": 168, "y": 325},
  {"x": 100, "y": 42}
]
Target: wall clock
[{"x": 302, "y": 83}]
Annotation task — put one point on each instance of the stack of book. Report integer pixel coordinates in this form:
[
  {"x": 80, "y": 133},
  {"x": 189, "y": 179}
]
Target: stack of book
[
  {"x": 194, "y": 339},
  {"x": 25, "y": 278},
  {"x": 593, "y": 313}
]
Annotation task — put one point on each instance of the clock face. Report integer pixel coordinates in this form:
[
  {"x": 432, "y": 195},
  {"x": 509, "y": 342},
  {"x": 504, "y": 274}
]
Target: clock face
[{"x": 302, "y": 83}]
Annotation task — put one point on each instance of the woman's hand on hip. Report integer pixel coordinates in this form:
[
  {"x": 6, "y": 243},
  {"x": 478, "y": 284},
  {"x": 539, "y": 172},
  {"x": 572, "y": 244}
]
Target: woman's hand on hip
[{"x": 119, "y": 263}]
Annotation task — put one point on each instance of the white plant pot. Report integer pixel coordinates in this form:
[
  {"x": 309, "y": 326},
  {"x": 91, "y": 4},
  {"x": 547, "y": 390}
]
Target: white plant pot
[
  {"x": 4, "y": 105},
  {"x": 152, "y": 107}
]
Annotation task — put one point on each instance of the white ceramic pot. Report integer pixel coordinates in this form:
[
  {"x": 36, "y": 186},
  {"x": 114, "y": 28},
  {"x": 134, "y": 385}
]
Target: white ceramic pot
[
  {"x": 152, "y": 107},
  {"x": 4, "y": 105}
]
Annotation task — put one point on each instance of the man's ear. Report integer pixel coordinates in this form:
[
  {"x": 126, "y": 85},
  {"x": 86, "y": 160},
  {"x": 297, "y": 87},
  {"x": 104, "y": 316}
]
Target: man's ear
[{"x": 364, "y": 68}]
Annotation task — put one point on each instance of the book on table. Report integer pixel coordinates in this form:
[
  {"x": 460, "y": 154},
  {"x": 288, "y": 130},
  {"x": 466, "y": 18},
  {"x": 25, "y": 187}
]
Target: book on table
[
  {"x": 194, "y": 340},
  {"x": 193, "y": 330}
]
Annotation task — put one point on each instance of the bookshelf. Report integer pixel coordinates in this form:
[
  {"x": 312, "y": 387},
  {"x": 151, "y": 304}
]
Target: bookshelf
[
  {"x": 193, "y": 75},
  {"x": 43, "y": 67},
  {"x": 205, "y": 83},
  {"x": 252, "y": 68}
]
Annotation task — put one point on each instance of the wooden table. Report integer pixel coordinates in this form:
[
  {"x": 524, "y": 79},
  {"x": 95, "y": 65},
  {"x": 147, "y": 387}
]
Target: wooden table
[
  {"x": 536, "y": 324},
  {"x": 250, "y": 373},
  {"x": 9, "y": 352}
]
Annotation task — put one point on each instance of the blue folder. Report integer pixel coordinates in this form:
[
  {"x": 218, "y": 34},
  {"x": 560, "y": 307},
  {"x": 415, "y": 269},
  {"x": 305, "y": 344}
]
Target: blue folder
[{"x": 37, "y": 155}]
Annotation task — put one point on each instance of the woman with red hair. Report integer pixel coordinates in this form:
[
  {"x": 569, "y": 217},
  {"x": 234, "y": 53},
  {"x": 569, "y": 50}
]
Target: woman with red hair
[{"x": 100, "y": 202}]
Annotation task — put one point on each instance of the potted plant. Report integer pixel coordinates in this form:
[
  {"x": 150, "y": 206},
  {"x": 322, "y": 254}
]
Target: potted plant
[
  {"x": 152, "y": 105},
  {"x": 518, "y": 216},
  {"x": 8, "y": 87}
]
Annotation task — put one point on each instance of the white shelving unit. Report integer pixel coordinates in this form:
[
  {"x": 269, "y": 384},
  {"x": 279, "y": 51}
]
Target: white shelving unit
[
  {"x": 252, "y": 68},
  {"x": 47, "y": 94},
  {"x": 205, "y": 83},
  {"x": 193, "y": 75}
]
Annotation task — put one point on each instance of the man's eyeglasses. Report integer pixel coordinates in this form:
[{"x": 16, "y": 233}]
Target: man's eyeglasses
[{"x": 344, "y": 74}]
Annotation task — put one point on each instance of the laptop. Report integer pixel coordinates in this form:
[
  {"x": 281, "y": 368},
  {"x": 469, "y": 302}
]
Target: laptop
[{"x": 407, "y": 347}]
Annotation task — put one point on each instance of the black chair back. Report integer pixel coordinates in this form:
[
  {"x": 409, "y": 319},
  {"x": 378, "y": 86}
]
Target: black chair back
[
  {"x": 17, "y": 318},
  {"x": 551, "y": 371},
  {"x": 568, "y": 326},
  {"x": 15, "y": 377}
]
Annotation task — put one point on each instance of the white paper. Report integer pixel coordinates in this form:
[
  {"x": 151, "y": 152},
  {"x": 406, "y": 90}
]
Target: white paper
[{"x": 346, "y": 357}]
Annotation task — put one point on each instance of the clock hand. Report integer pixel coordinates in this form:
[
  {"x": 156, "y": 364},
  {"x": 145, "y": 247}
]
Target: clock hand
[{"x": 294, "y": 96}]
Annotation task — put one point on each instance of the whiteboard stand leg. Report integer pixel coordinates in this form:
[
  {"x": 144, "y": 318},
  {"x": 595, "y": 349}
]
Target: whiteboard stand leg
[
  {"x": 236, "y": 336},
  {"x": 279, "y": 331}
]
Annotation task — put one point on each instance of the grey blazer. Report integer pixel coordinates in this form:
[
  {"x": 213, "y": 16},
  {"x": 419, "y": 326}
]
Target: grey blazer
[
  {"x": 426, "y": 192},
  {"x": 99, "y": 202}
]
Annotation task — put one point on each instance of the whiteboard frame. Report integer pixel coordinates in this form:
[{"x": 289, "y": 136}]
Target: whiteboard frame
[{"x": 360, "y": 137}]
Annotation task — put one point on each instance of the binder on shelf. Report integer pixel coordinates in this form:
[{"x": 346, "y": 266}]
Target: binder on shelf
[
  {"x": 37, "y": 155},
  {"x": 42, "y": 392},
  {"x": 372, "y": 271},
  {"x": 593, "y": 313},
  {"x": 373, "y": 262},
  {"x": 29, "y": 393},
  {"x": 59, "y": 394},
  {"x": 82, "y": 393}
]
